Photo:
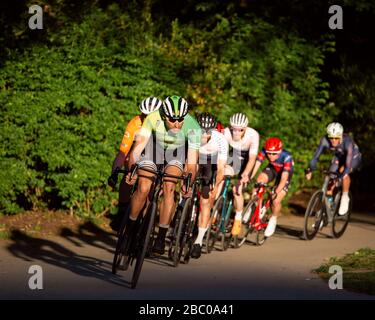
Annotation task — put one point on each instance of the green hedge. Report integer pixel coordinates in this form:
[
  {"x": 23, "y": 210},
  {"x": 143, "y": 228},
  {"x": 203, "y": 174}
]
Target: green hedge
[{"x": 65, "y": 103}]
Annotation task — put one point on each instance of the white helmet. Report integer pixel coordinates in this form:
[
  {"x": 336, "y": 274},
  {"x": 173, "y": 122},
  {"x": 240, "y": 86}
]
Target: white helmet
[
  {"x": 150, "y": 104},
  {"x": 239, "y": 120},
  {"x": 335, "y": 130}
]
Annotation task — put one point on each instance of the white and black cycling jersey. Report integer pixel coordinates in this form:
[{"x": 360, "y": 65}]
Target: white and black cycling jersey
[
  {"x": 247, "y": 146},
  {"x": 216, "y": 148}
]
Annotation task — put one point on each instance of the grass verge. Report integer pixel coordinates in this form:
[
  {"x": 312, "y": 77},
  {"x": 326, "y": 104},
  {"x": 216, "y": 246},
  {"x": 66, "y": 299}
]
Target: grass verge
[{"x": 358, "y": 270}]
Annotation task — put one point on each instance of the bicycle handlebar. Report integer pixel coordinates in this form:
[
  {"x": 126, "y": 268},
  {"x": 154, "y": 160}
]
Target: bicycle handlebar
[
  {"x": 331, "y": 174},
  {"x": 187, "y": 179},
  {"x": 260, "y": 184}
]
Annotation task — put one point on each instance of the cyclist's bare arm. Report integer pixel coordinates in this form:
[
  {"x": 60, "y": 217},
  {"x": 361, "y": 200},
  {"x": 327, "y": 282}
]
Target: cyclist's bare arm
[
  {"x": 249, "y": 165},
  {"x": 139, "y": 144},
  {"x": 220, "y": 173},
  {"x": 256, "y": 168},
  {"x": 119, "y": 161},
  {"x": 192, "y": 161}
]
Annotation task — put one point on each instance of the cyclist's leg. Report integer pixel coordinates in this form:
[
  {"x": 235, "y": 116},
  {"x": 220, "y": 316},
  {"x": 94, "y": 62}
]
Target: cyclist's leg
[
  {"x": 334, "y": 167},
  {"x": 266, "y": 176},
  {"x": 207, "y": 171},
  {"x": 145, "y": 180},
  {"x": 344, "y": 203},
  {"x": 140, "y": 196},
  {"x": 228, "y": 171},
  {"x": 276, "y": 208},
  {"x": 124, "y": 199},
  {"x": 237, "y": 189},
  {"x": 167, "y": 204},
  {"x": 276, "y": 205},
  {"x": 238, "y": 199},
  {"x": 238, "y": 202}
]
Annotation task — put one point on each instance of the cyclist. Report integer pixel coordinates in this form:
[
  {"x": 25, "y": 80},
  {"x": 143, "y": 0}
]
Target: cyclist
[
  {"x": 213, "y": 156},
  {"x": 147, "y": 106},
  {"x": 163, "y": 137},
  {"x": 280, "y": 168},
  {"x": 347, "y": 158},
  {"x": 244, "y": 144},
  {"x": 220, "y": 127}
]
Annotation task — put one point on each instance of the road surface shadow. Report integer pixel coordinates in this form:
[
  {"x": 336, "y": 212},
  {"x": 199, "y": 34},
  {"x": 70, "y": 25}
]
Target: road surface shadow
[
  {"x": 297, "y": 210},
  {"x": 92, "y": 235},
  {"x": 31, "y": 249},
  {"x": 290, "y": 231}
]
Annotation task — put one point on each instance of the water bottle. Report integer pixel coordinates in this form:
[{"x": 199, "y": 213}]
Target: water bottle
[
  {"x": 330, "y": 201},
  {"x": 262, "y": 212}
]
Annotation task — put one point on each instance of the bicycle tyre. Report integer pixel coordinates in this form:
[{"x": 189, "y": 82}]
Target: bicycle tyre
[
  {"x": 121, "y": 245},
  {"x": 145, "y": 233},
  {"x": 338, "y": 231},
  {"x": 178, "y": 248},
  {"x": 315, "y": 201},
  {"x": 188, "y": 236},
  {"x": 246, "y": 229},
  {"x": 213, "y": 230}
]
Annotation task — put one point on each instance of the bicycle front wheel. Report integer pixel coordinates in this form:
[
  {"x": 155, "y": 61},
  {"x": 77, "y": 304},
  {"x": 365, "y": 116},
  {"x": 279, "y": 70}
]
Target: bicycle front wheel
[
  {"x": 179, "y": 243},
  {"x": 314, "y": 215},
  {"x": 340, "y": 223},
  {"x": 144, "y": 237},
  {"x": 213, "y": 230},
  {"x": 246, "y": 228}
]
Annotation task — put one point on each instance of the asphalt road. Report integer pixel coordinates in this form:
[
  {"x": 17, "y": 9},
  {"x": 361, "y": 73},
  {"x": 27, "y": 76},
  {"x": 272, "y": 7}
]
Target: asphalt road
[{"x": 77, "y": 266}]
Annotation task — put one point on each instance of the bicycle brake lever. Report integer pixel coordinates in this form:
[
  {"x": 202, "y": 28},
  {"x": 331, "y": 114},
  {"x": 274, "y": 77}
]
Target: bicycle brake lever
[
  {"x": 133, "y": 172},
  {"x": 188, "y": 181}
]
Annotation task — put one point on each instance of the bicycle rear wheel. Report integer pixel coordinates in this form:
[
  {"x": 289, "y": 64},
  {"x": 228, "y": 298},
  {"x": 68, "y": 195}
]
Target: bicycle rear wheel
[
  {"x": 144, "y": 237},
  {"x": 340, "y": 223},
  {"x": 246, "y": 229},
  {"x": 213, "y": 230},
  {"x": 314, "y": 215}
]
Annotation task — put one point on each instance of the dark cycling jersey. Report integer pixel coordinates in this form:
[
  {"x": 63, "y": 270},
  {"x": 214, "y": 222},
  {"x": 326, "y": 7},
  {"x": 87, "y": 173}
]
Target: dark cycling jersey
[
  {"x": 345, "y": 152},
  {"x": 284, "y": 163}
]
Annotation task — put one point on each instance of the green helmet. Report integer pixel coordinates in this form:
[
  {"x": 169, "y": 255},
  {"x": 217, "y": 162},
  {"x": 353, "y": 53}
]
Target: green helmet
[{"x": 175, "y": 107}]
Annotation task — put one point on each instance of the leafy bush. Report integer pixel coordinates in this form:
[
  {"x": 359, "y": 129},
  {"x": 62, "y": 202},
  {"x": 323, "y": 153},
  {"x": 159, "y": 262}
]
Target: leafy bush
[{"x": 65, "y": 101}]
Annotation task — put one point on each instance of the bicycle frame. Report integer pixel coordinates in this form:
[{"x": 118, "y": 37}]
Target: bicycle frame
[
  {"x": 330, "y": 210},
  {"x": 139, "y": 242},
  {"x": 225, "y": 211},
  {"x": 255, "y": 220}
]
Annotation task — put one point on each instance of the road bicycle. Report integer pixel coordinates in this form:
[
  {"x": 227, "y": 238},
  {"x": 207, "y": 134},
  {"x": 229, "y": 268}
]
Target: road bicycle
[
  {"x": 187, "y": 216},
  {"x": 255, "y": 216},
  {"x": 219, "y": 223},
  {"x": 134, "y": 245},
  {"x": 322, "y": 209}
]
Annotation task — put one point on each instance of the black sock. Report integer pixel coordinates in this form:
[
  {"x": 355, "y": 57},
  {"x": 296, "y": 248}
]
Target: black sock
[
  {"x": 162, "y": 232},
  {"x": 130, "y": 225}
]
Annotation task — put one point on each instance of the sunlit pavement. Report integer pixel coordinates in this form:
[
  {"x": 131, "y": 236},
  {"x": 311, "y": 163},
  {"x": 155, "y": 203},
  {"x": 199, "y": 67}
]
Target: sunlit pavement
[{"x": 75, "y": 268}]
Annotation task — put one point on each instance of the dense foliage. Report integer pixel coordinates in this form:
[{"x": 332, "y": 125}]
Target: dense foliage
[{"x": 67, "y": 91}]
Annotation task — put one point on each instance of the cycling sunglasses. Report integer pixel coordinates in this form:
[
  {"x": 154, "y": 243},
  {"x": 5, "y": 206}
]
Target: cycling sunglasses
[
  {"x": 272, "y": 153},
  {"x": 173, "y": 120},
  {"x": 333, "y": 138},
  {"x": 238, "y": 129},
  {"x": 207, "y": 131}
]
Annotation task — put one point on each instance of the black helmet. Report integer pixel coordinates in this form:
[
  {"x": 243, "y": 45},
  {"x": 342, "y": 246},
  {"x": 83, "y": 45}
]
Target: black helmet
[
  {"x": 207, "y": 121},
  {"x": 175, "y": 107}
]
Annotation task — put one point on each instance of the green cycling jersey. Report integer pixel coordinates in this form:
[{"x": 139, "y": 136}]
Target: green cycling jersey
[{"x": 190, "y": 131}]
